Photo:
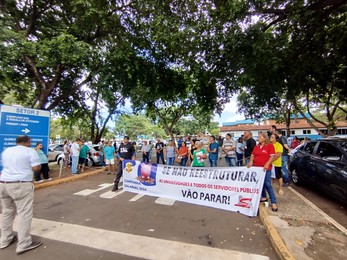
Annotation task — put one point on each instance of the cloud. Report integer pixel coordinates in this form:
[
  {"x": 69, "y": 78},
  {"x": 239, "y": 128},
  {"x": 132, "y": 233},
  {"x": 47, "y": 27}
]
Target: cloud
[{"x": 230, "y": 112}]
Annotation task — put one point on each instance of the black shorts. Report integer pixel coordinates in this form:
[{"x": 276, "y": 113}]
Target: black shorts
[
  {"x": 82, "y": 160},
  {"x": 278, "y": 172}
]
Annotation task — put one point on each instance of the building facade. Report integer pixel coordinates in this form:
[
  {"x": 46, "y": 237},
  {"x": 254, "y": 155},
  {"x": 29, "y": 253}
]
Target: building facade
[{"x": 298, "y": 127}]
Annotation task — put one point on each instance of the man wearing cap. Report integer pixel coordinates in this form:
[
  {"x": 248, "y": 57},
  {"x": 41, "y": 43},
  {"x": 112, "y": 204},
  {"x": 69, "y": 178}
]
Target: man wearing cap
[
  {"x": 17, "y": 194},
  {"x": 126, "y": 151}
]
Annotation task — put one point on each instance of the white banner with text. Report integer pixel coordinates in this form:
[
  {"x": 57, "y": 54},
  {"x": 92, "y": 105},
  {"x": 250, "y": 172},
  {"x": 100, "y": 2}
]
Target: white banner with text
[{"x": 235, "y": 189}]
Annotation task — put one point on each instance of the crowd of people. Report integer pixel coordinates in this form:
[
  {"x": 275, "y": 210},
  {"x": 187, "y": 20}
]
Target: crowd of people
[{"x": 270, "y": 152}]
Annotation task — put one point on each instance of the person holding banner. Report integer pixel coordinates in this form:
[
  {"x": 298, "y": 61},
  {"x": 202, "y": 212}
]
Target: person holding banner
[
  {"x": 262, "y": 156},
  {"x": 199, "y": 155},
  {"x": 126, "y": 151}
]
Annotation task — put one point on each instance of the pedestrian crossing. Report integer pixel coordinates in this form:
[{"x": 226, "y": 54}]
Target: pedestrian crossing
[
  {"x": 142, "y": 247},
  {"x": 110, "y": 194}
]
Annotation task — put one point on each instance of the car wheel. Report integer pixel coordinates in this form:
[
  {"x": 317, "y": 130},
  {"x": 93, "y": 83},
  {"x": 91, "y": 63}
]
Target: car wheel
[
  {"x": 90, "y": 162},
  {"x": 296, "y": 177},
  {"x": 60, "y": 161}
]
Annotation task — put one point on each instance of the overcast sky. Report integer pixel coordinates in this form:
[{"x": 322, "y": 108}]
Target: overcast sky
[{"x": 229, "y": 113}]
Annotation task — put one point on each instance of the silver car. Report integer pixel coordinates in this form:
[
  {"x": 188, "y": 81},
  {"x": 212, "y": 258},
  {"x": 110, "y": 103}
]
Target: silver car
[
  {"x": 94, "y": 154},
  {"x": 54, "y": 150}
]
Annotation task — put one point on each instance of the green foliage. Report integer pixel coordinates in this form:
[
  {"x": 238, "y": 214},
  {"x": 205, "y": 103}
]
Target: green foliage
[
  {"x": 136, "y": 125},
  {"x": 295, "y": 51},
  {"x": 173, "y": 58}
]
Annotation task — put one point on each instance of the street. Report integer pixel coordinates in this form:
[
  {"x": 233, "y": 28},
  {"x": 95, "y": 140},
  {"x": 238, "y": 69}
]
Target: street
[{"x": 85, "y": 220}]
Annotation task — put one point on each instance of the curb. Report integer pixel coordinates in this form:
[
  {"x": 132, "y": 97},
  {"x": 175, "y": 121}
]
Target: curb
[
  {"x": 275, "y": 238},
  {"x": 67, "y": 179}
]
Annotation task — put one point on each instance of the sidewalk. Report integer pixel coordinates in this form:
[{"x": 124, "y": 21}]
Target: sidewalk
[
  {"x": 298, "y": 230},
  {"x": 66, "y": 176}
]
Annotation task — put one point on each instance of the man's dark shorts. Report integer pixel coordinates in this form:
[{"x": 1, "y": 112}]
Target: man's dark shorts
[
  {"x": 278, "y": 172},
  {"x": 82, "y": 161}
]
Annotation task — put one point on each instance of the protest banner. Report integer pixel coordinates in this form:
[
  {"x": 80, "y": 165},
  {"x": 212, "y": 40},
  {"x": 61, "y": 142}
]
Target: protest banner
[{"x": 235, "y": 189}]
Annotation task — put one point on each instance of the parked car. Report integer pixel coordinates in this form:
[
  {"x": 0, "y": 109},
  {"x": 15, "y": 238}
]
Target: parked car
[
  {"x": 94, "y": 154},
  {"x": 322, "y": 164},
  {"x": 293, "y": 152},
  {"x": 54, "y": 150}
]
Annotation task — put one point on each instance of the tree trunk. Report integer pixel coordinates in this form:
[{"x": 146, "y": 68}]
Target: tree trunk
[{"x": 288, "y": 121}]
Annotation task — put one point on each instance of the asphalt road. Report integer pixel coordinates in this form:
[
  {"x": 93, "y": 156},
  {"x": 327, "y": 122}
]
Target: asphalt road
[{"x": 83, "y": 220}]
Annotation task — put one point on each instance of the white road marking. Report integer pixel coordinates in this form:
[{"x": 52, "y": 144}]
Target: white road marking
[
  {"x": 164, "y": 201},
  {"x": 326, "y": 216},
  {"x": 131, "y": 245},
  {"x": 112, "y": 194},
  {"x": 137, "y": 197},
  {"x": 87, "y": 192}
]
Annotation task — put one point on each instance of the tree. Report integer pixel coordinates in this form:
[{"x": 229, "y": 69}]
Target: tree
[
  {"x": 295, "y": 50},
  {"x": 194, "y": 126},
  {"x": 50, "y": 50},
  {"x": 135, "y": 126}
]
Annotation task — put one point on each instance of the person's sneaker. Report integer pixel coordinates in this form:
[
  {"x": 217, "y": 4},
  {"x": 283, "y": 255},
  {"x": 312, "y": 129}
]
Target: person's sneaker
[
  {"x": 40, "y": 181},
  {"x": 108, "y": 173},
  {"x": 49, "y": 179},
  {"x": 14, "y": 239},
  {"x": 286, "y": 184},
  {"x": 32, "y": 246},
  {"x": 115, "y": 188}
]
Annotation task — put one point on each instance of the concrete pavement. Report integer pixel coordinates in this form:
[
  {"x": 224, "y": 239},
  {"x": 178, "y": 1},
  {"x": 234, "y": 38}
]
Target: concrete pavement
[{"x": 299, "y": 230}]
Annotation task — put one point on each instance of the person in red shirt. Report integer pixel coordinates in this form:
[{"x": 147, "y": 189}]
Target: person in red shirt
[
  {"x": 183, "y": 153},
  {"x": 262, "y": 156},
  {"x": 295, "y": 143}
]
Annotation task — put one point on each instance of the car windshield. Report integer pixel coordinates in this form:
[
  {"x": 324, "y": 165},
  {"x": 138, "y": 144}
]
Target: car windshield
[
  {"x": 96, "y": 148},
  {"x": 343, "y": 145}
]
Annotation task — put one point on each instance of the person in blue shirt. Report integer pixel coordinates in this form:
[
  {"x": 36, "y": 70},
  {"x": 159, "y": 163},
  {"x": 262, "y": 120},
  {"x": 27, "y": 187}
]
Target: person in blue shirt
[
  {"x": 213, "y": 151},
  {"x": 44, "y": 165},
  {"x": 109, "y": 157}
]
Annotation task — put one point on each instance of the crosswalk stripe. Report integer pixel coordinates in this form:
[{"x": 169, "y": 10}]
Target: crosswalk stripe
[
  {"x": 137, "y": 197},
  {"x": 111, "y": 194},
  {"x": 87, "y": 192},
  {"x": 164, "y": 201},
  {"x": 131, "y": 245}
]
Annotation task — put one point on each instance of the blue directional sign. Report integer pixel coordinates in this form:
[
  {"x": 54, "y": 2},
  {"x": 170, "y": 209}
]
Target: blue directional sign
[{"x": 15, "y": 121}]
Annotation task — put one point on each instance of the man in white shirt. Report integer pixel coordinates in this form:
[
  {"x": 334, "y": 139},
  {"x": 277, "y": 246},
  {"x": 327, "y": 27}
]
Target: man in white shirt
[
  {"x": 17, "y": 194},
  {"x": 145, "y": 152},
  {"x": 75, "y": 154}
]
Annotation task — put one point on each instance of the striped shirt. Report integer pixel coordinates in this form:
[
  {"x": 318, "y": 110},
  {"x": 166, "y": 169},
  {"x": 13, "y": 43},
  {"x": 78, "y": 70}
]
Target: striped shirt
[{"x": 42, "y": 156}]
